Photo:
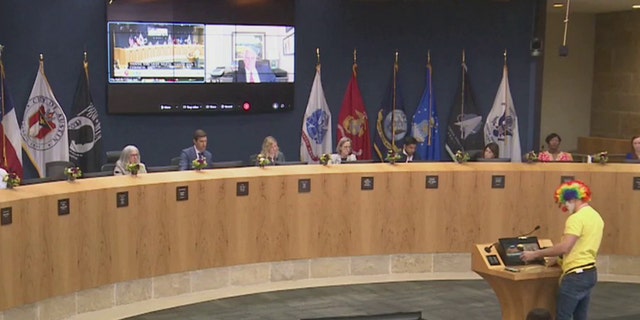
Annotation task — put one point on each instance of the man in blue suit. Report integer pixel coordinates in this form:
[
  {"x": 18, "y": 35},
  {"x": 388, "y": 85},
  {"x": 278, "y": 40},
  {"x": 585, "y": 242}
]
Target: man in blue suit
[
  {"x": 197, "y": 151},
  {"x": 253, "y": 71}
]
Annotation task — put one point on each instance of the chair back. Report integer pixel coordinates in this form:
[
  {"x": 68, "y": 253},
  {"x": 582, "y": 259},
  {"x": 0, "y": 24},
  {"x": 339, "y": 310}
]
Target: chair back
[
  {"x": 108, "y": 167},
  {"x": 97, "y": 174},
  {"x": 175, "y": 161},
  {"x": 55, "y": 169},
  {"x": 113, "y": 156},
  {"x": 26, "y": 182},
  {"x": 226, "y": 164}
]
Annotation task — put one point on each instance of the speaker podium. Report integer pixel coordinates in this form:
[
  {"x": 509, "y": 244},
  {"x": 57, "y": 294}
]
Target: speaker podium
[{"x": 519, "y": 288}]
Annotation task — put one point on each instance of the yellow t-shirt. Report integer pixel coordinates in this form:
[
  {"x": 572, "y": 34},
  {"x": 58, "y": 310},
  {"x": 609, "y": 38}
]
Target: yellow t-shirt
[{"x": 588, "y": 226}]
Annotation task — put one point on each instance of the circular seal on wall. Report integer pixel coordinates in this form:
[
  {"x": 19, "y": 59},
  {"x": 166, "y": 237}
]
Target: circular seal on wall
[{"x": 44, "y": 124}]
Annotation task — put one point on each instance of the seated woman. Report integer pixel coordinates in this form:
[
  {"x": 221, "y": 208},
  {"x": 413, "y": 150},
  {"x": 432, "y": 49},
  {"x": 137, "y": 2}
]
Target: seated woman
[
  {"x": 130, "y": 154},
  {"x": 3, "y": 173},
  {"x": 635, "y": 144},
  {"x": 491, "y": 151},
  {"x": 343, "y": 152},
  {"x": 271, "y": 151},
  {"x": 553, "y": 153}
]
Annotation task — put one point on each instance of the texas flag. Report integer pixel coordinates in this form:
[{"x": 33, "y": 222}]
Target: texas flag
[{"x": 10, "y": 144}]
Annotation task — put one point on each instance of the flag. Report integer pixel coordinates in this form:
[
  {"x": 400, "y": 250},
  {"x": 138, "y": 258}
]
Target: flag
[
  {"x": 391, "y": 124},
  {"x": 425, "y": 123},
  {"x": 502, "y": 122},
  {"x": 44, "y": 126},
  {"x": 353, "y": 122},
  {"x": 464, "y": 129},
  {"x": 316, "y": 124},
  {"x": 85, "y": 133},
  {"x": 10, "y": 144}
]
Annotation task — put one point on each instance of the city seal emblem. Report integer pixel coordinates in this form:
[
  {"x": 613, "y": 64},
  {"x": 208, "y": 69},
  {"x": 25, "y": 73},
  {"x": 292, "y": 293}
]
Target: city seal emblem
[{"x": 44, "y": 124}]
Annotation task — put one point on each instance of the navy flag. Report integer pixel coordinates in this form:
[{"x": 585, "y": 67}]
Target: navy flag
[
  {"x": 465, "y": 126},
  {"x": 425, "y": 122},
  {"x": 391, "y": 123},
  {"x": 85, "y": 133}
]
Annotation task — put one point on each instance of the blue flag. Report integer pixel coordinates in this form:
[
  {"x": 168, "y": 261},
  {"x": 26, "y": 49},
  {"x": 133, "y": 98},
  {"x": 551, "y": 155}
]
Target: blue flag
[
  {"x": 391, "y": 123},
  {"x": 425, "y": 123}
]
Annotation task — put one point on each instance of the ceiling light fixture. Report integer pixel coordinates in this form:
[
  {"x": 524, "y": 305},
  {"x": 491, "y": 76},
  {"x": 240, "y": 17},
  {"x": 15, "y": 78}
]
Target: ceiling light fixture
[
  {"x": 558, "y": 5},
  {"x": 636, "y": 6}
]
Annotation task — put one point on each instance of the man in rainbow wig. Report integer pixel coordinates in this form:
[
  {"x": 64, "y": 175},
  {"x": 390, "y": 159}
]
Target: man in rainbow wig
[{"x": 578, "y": 248}]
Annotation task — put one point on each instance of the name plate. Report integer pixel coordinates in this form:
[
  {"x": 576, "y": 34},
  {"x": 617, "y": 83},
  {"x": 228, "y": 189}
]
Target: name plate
[
  {"x": 304, "y": 185},
  {"x": 431, "y": 182},
  {"x": 498, "y": 182},
  {"x": 122, "y": 199},
  {"x": 6, "y": 216},
  {"x": 242, "y": 189},
  {"x": 182, "y": 193},
  {"x": 63, "y": 207},
  {"x": 366, "y": 183}
]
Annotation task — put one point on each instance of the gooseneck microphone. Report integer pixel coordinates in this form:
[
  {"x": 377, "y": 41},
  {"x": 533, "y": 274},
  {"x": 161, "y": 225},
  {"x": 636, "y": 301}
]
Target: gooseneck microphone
[
  {"x": 524, "y": 235},
  {"x": 487, "y": 249}
]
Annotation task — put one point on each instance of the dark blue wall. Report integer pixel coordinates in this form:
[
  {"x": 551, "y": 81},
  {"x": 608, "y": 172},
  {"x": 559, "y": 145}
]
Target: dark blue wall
[{"x": 62, "y": 30}]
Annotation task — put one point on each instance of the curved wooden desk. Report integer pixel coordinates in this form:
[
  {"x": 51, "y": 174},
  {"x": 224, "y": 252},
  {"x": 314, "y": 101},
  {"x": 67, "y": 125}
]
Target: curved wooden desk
[{"x": 43, "y": 254}]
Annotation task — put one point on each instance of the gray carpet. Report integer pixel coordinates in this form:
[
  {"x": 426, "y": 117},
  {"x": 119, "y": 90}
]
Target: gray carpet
[{"x": 438, "y": 300}]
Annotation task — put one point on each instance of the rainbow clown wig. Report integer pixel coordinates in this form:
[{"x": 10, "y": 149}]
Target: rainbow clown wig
[{"x": 572, "y": 190}]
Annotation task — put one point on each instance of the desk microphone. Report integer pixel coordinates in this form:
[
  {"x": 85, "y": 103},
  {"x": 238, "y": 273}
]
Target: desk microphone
[
  {"x": 524, "y": 235},
  {"x": 487, "y": 249}
]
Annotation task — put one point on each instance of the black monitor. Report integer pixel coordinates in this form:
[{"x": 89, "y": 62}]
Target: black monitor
[{"x": 511, "y": 248}]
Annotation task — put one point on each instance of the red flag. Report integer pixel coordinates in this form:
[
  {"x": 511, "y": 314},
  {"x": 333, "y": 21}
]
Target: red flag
[{"x": 353, "y": 122}]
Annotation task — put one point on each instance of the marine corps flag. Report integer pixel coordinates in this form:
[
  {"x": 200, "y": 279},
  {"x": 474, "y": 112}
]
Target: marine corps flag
[
  {"x": 502, "y": 122},
  {"x": 316, "y": 124},
  {"x": 391, "y": 124},
  {"x": 85, "y": 133},
  {"x": 44, "y": 126},
  {"x": 425, "y": 122},
  {"x": 464, "y": 129},
  {"x": 353, "y": 122}
]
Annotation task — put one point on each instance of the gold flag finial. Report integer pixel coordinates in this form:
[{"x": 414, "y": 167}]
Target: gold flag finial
[
  {"x": 429, "y": 57},
  {"x": 505, "y": 55},
  {"x": 464, "y": 58},
  {"x": 41, "y": 57},
  {"x": 1, "y": 49},
  {"x": 355, "y": 62},
  {"x": 85, "y": 57},
  {"x": 318, "y": 55}
]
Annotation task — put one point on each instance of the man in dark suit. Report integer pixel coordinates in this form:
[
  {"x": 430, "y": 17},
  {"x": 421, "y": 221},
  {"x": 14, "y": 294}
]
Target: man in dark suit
[
  {"x": 408, "y": 153},
  {"x": 197, "y": 151},
  {"x": 253, "y": 71}
]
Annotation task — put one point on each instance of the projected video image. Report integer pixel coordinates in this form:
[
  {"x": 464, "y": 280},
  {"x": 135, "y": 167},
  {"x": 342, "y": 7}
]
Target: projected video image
[
  {"x": 156, "y": 52},
  {"x": 197, "y": 53},
  {"x": 249, "y": 54}
]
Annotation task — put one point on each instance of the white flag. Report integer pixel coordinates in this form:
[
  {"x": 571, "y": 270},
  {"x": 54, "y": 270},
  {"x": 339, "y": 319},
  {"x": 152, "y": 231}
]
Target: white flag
[
  {"x": 316, "y": 125},
  {"x": 44, "y": 126},
  {"x": 502, "y": 122}
]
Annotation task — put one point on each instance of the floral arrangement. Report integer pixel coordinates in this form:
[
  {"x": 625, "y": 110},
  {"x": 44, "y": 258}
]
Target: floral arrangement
[
  {"x": 531, "y": 156},
  {"x": 199, "y": 164},
  {"x": 262, "y": 160},
  {"x": 324, "y": 159},
  {"x": 133, "y": 168},
  {"x": 73, "y": 173},
  {"x": 392, "y": 157},
  {"x": 12, "y": 180},
  {"x": 601, "y": 157},
  {"x": 462, "y": 157}
]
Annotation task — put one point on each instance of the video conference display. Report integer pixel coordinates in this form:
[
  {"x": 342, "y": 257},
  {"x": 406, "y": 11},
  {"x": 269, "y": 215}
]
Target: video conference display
[{"x": 236, "y": 64}]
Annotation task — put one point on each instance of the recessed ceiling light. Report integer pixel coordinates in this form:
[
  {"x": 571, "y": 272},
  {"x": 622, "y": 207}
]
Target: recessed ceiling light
[
  {"x": 636, "y": 6},
  {"x": 558, "y": 5}
]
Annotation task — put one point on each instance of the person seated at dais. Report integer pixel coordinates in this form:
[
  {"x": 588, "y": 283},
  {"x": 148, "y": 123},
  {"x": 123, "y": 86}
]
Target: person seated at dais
[
  {"x": 197, "y": 151},
  {"x": 271, "y": 151},
  {"x": 553, "y": 153},
  {"x": 408, "y": 153},
  {"x": 3, "y": 173},
  {"x": 130, "y": 155},
  {"x": 635, "y": 144},
  {"x": 491, "y": 151},
  {"x": 343, "y": 152}
]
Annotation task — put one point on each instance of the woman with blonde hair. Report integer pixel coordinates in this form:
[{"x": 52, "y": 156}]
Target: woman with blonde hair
[
  {"x": 130, "y": 155},
  {"x": 271, "y": 151},
  {"x": 344, "y": 152}
]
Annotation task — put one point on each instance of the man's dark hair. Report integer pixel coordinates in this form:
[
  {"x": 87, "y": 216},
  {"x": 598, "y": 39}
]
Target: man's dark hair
[
  {"x": 551, "y": 136},
  {"x": 539, "y": 314},
  {"x": 410, "y": 140},
  {"x": 199, "y": 134}
]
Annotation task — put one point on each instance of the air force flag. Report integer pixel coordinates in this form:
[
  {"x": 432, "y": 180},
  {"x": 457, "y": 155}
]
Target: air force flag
[
  {"x": 316, "y": 124},
  {"x": 502, "y": 122}
]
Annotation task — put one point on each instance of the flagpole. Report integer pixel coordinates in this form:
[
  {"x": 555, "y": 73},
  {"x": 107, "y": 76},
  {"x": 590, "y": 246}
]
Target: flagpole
[
  {"x": 4, "y": 136},
  {"x": 355, "y": 64},
  {"x": 464, "y": 66},
  {"x": 430, "y": 112},
  {"x": 393, "y": 111},
  {"x": 506, "y": 106}
]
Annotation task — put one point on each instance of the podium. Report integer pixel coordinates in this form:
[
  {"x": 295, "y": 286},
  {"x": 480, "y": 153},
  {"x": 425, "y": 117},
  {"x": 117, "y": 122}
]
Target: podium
[{"x": 521, "y": 289}]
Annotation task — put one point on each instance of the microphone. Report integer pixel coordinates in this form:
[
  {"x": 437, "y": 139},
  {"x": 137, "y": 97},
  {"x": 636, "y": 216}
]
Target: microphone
[
  {"x": 524, "y": 235},
  {"x": 487, "y": 249}
]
